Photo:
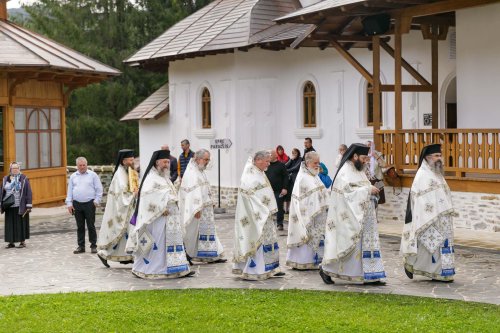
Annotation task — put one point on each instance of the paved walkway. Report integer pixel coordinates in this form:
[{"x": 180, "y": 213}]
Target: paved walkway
[{"x": 48, "y": 265}]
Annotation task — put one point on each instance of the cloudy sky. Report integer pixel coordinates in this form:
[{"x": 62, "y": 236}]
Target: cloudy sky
[{"x": 17, "y": 3}]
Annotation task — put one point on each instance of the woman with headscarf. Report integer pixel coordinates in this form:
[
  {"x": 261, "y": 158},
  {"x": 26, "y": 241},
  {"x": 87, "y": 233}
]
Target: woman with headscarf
[
  {"x": 282, "y": 156},
  {"x": 17, "y": 214}
]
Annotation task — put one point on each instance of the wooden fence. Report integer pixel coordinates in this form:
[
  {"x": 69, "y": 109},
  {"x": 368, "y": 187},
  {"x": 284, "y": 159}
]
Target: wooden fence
[{"x": 465, "y": 151}]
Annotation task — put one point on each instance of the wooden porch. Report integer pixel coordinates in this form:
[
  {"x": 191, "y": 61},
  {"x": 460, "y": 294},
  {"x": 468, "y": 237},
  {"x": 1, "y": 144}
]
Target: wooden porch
[{"x": 471, "y": 156}]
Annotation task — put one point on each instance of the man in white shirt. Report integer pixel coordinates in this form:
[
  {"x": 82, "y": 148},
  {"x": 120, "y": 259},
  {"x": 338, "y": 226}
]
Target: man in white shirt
[{"x": 84, "y": 196}]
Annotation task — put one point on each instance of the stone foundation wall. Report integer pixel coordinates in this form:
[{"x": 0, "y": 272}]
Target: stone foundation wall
[
  {"x": 477, "y": 211},
  {"x": 228, "y": 196}
]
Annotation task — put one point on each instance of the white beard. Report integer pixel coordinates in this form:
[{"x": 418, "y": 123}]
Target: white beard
[
  {"x": 314, "y": 172},
  {"x": 165, "y": 172}
]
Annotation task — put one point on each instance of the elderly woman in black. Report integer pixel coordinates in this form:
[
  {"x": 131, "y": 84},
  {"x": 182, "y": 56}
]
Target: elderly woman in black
[{"x": 17, "y": 214}]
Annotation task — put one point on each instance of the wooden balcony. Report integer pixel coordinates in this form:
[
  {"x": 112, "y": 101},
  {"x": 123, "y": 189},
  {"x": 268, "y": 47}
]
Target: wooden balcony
[{"x": 471, "y": 156}]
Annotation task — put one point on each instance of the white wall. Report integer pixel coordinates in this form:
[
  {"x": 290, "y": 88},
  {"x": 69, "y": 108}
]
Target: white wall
[
  {"x": 152, "y": 135},
  {"x": 478, "y": 67},
  {"x": 257, "y": 102}
]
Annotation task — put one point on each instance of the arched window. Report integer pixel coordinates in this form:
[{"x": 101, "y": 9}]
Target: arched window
[
  {"x": 309, "y": 107},
  {"x": 369, "y": 105},
  {"x": 38, "y": 137},
  {"x": 206, "y": 109}
]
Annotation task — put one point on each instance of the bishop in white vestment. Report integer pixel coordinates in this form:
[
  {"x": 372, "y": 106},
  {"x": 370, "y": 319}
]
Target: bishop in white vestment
[
  {"x": 308, "y": 211},
  {"x": 256, "y": 250},
  {"x": 352, "y": 247},
  {"x": 156, "y": 241},
  {"x": 120, "y": 206},
  {"x": 427, "y": 242},
  {"x": 197, "y": 212}
]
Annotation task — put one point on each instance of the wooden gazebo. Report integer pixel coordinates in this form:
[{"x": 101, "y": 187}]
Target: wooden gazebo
[
  {"x": 344, "y": 24},
  {"x": 37, "y": 76}
]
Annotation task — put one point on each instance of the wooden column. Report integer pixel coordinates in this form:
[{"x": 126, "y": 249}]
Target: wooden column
[
  {"x": 64, "y": 160},
  {"x": 398, "y": 94},
  {"x": 376, "y": 91},
  {"x": 435, "y": 77},
  {"x": 3, "y": 10},
  {"x": 9, "y": 134}
]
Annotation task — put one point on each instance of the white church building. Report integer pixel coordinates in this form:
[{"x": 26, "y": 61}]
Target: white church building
[{"x": 264, "y": 73}]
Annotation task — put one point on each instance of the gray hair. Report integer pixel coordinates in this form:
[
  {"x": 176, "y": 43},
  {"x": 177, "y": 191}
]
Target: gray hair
[
  {"x": 343, "y": 146},
  {"x": 81, "y": 159},
  {"x": 261, "y": 154},
  {"x": 200, "y": 154},
  {"x": 311, "y": 156}
]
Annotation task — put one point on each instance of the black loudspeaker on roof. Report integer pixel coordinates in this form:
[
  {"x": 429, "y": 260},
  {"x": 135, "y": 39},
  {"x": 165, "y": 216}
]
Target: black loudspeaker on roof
[{"x": 376, "y": 24}]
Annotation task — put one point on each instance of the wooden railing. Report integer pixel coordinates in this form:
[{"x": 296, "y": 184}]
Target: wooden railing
[{"x": 471, "y": 151}]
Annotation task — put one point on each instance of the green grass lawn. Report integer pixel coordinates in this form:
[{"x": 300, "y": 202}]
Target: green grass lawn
[{"x": 223, "y": 310}]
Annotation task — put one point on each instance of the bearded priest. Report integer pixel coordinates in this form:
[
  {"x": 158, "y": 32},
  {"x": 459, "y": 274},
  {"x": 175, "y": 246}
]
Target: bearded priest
[
  {"x": 256, "y": 251},
  {"x": 120, "y": 206},
  {"x": 427, "y": 242},
  {"x": 308, "y": 211},
  {"x": 197, "y": 212},
  {"x": 156, "y": 241},
  {"x": 352, "y": 246}
]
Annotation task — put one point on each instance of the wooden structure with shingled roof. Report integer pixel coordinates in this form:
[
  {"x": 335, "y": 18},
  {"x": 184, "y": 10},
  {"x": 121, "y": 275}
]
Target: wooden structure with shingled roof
[
  {"x": 37, "y": 75},
  {"x": 350, "y": 27},
  {"x": 342, "y": 24},
  {"x": 221, "y": 27}
]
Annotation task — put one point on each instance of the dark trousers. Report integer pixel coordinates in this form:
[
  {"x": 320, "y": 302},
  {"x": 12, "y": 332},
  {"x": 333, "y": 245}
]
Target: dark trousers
[
  {"x": 281, "y": 214},
  {"x": 85, "y": 211}
]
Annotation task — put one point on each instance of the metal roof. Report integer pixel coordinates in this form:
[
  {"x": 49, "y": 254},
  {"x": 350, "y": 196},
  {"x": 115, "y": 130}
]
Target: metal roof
[
  {"x": 21, "y": 48},
  {"x": 221, "y": 25},
  {"x": 152, "y": 107},
  {"x": 317, "y": 7}
]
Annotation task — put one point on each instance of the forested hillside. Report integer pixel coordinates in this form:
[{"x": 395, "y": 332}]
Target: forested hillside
[{"x": 108, "y": 31}]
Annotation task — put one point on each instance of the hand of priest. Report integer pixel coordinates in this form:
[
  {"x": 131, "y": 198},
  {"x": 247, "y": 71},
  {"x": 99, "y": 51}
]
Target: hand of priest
[
  {"x": 165, "y": 213},
  {"x": 197, "y": 215},
  {"x": 374, "y": 190}
]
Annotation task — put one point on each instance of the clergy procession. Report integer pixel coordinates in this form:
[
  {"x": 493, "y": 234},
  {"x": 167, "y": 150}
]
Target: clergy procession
[{"x": 161, "y": 227}]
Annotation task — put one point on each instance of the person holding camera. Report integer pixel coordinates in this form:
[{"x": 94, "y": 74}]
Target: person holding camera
[
  {"x": 84, "y": 196},
  {"x": 278, "y": 177},
  {"x": 16, "y": 198}
]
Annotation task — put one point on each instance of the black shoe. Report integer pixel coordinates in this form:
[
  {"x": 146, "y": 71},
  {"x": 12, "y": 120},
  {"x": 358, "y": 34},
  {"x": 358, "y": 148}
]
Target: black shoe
[
  {"x": 280, "y": 227},
  {"x": 189, "y": 274},
  {"x": 79, "y": 250},
  {"x": 409, "y": 274},
  {"x": 93, "y": 250},
  {"x": 280, "y": 274},
  {"x": 10, "y": 246},
  {"x": 326, "y": 278},
  {"x": 104, "y": 261},
  {"x": 444, "y": 281},
  {"x": 218, "y": 261},
  {"x": 126, "y": 262},
  {"x": 375, "y": 283},
  {"x": 188, "y": 257}
]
